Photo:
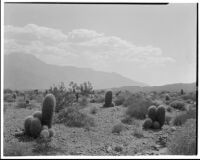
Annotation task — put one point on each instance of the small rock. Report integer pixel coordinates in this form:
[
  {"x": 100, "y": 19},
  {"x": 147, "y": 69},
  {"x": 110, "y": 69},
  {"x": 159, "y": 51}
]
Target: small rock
[
  {"x": 173, "y": 129},
  {"x": 118, "y": 148},
  {"x": 109, "y": 149}
]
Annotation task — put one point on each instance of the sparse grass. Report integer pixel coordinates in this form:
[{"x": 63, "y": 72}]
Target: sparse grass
[
  {"x": 118, "y": 128},
  {"x": 72, "y": 117},
  {"x": 183, "y": 142},
  {"x": 138, "y": 132},
  {"x": 182, "y": 118},
  {"x": 17, "y": 149},
  {"x": 168, "y": 119}
]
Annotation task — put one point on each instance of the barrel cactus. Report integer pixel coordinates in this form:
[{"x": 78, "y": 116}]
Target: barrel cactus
[
  {"x": 147, "y": 123},
  {"x": 108, "y": 99},
  {"x": 35, "y": 127},
  {"x": 51, "y": 132},
  {"x": 48, "y": 108},
  {"x": 152, "y": 113},
  {"x": 44, "y": 134},
  {"x": 27, "y": 124},
  {"x": 38, "y": 114},
  {"x": 160, "y": 115},
  {"x": 156, "y": 125}
]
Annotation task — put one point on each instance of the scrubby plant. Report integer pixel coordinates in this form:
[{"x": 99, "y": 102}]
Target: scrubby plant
[
  {"x": 152, "y": 112},
  {"x": 183, "y": 117},
  {"x": 127, "y": 120},
  {"x": 84, "y": 101},
  {"x": 35, "y": 127},
  {"x": 147, "y": 123},
  {"x": 120, "y": 99},
  {"x": 168, "y": 119},
  {"x": 178, "y": 104},
  {"x": 139, "y": 106},
  {"x": 138, "y": 132},
  {"x": 160, "y": 115},
  {"x": 72, "y": 117},
  {"x": 118, "y": 128},
  {"x": 108, "y": 99},
  {"x": 183, "y": 142},
  {"x": 167, "y": 98},
  {"x": 48, "y": 108}
]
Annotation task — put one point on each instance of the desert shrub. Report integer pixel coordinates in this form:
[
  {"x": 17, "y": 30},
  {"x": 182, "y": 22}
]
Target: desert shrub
[
  {"x": 189, "y": 96},
  {"x": 17, "y": 149},
  {"x": 127, "y": 120},
  {"x": 118, "y": 128},
  {"x": 182, "y": 118},
  {"x": 93, "y": 110},
  {"x": 21, "y": 105},
  {"x": 83, "y": 101},
  {"x": 63, "y": 97},
  {"x": 177, "y": 104},
  {"x": 8, "y": 98},
  {"x": 72, "y": 117},
  {"x": 169, "y": 109},
  {"x": 138, "y": 107},
  {"x": 183, "y": 142},
  {"x": 120, "y": 99}
]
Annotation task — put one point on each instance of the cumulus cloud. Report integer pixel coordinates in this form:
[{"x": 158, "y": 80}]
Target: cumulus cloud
[{"x": 80, "y": 47}]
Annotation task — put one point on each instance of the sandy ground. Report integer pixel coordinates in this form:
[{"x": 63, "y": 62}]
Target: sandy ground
[{"x": 96, "y": 141}]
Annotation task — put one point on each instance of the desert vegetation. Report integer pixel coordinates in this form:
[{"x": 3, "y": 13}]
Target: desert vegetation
[{"x": 79, "y": 120}]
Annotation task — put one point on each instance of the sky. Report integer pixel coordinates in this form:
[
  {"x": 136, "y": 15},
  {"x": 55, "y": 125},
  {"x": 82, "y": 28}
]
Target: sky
[{"x": 154, "y": 44}]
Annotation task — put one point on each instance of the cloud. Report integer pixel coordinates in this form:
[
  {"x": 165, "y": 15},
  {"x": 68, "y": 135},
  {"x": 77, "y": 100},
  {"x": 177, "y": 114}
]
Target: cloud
[{"x": 81, "y": 47}]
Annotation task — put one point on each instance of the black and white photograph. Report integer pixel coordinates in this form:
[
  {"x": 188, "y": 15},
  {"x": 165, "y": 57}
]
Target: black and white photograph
[{"x": 99, "y": 79}]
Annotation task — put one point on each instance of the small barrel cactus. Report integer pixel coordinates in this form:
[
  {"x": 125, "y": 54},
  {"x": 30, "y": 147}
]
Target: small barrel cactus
[
  {"x": 108, "y": 99},
  {"x": 156, "y": 125},
  {"x": 147, "y": 123},
  {"x": 35, "y": 127},
  {"x": 44, "y": 134},
  {"x": 27, "y": 124},
  {"x": 38, "y": 114},
  {"x": 48, "y": 108},
  {"x": 152, "y": 112},
  {"x": 160, "y": 115},
  {"x": 51, "y": 132}
]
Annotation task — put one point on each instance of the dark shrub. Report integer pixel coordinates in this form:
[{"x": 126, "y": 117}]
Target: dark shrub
[
  {"x": 118, "y": 128},
  {"x": 138, "y": 107},
  {"x": 177, "y": 104}
]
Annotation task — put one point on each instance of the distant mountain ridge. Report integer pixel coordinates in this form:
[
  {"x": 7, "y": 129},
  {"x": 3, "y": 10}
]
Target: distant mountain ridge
[
  {"x": 176, "y": 87},
  {"x": 25, "y": 71}
]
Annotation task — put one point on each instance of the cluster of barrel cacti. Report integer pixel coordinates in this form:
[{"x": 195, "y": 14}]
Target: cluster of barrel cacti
[
  {"x": 40, "y": 123},
  {"x": 108, "y": 99},
  {"x": 156, "y": 117}
]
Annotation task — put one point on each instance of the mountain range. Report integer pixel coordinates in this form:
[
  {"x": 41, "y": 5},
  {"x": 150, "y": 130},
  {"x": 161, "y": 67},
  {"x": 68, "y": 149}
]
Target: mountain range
[{"x": 25, "y": 71}]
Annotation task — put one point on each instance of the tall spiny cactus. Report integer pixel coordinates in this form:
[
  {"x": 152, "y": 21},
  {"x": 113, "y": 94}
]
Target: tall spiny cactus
[
  {"x": 152, "y": 113},
  {"x": 48, "y": 108},
  {"x": 160, "y": 115}
]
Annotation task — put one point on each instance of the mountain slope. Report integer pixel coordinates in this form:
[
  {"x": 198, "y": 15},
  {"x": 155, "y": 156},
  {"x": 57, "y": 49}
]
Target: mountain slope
[
  {"x": 24, "y": 71},
  {"x": 187, "y": 87}
]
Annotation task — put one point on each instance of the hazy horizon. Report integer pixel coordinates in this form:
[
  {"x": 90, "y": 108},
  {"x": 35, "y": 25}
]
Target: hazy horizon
[{"x": 151, "y": 44}]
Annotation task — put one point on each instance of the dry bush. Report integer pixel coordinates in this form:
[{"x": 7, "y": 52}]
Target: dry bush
[
  {"x": 83, "y": 101},
  {"x": 72, "y": 117},
  {"x": 178, "y": 104},
  {"x": 182, "y": 118},
  {"x": 138, "y": 106},
  {"x": 183, "y": 142},
  {"x": 118, "y": 128}
]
